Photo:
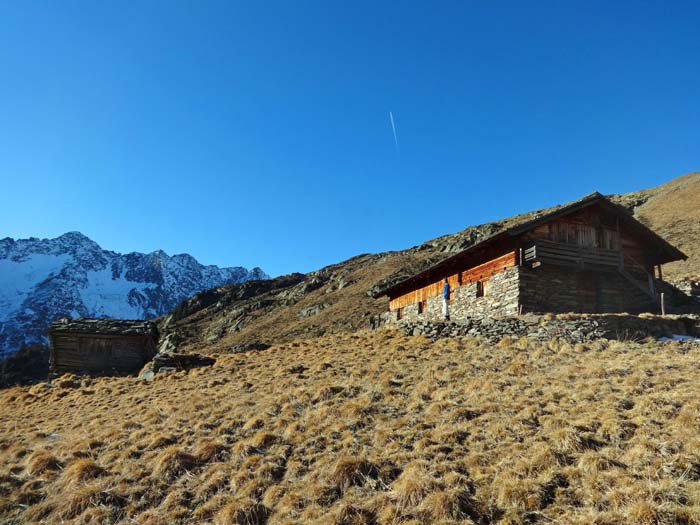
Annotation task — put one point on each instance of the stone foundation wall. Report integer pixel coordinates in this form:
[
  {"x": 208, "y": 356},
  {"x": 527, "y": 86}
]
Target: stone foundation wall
[
  {"x": 569, "y": 327},
  {"x": 410, "y": 313},
  {"x": 501, "y": 298},
  {"x": 433, "y": 311}
]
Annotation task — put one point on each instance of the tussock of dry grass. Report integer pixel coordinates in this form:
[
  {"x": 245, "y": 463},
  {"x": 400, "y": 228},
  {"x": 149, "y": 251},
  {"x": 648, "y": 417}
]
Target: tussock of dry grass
[
  {"x": 367, "y": 428},
  {"x": 43, "y": 461},
  {"x": 81, "y": 470}
]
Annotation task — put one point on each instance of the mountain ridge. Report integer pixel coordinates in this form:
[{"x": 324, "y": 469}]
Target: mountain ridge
[{"x": 72, "y": 275}]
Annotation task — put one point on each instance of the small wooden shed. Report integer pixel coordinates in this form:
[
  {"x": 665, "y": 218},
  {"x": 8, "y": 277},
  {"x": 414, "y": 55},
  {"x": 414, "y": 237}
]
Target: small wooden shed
[{"x": 101, "y": 345}]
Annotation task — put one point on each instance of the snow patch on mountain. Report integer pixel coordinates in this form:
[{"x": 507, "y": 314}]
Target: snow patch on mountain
[
  {"x": 19, "y": 277},
  {"x": 71, "y": 276},
  {"x": 107, "y": 296}
]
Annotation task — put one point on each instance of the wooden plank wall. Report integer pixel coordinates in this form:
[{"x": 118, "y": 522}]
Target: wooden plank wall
[
  {"x": 470, "y": 275},
  {"x": 576, "y": 231},
  {"x": 489, "y": 268},
  {"x": 71, "y": 352},
  {"x": 594, "y": 228}
]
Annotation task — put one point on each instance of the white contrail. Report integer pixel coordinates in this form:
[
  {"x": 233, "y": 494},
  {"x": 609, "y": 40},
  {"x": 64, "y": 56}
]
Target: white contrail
[{"x": 393, "y": 129}]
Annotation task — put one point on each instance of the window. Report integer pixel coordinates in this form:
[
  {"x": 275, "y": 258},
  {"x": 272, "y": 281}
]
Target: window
[
  {"x": 481, "y": 288},
  {"x": 421, "y": 306},
  {"x": 399, "y": 314}
]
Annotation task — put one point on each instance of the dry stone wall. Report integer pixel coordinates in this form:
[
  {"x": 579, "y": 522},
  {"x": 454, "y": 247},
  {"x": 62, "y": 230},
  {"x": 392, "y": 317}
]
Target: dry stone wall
[
  {"x": 569, "y": 327},
  {"x": 500, "y": 297}
]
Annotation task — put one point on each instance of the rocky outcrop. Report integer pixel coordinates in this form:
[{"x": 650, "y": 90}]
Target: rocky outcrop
[
  {"x": 237, "y": 294},
  {"x": 313, "y": 310},
  {"x": 180, "y": 361},
  {"x": 230, "y": 310}
]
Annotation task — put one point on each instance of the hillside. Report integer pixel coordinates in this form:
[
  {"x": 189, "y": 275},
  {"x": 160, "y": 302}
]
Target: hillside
[
  {"x": 72, "y": 276},
  {"x": 673, "y": 211},
  {"x": 367, "y": 428},
  {"x": 336, "y": 298}
]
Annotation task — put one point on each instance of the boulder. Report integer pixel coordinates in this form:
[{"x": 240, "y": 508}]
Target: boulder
[
  {"x": 180, "y": 361},
  {"x": 313, "y": 310}
]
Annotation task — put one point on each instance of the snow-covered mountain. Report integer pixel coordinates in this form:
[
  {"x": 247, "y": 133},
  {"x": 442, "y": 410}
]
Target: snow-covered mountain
[{"x": 71, "y": 276}]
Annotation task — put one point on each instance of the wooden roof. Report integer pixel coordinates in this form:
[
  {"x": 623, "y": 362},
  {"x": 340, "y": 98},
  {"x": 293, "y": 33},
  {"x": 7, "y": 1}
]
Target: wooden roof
[
  {"x": 522, "y": 223},
  {"x": 85, "y": 325}
]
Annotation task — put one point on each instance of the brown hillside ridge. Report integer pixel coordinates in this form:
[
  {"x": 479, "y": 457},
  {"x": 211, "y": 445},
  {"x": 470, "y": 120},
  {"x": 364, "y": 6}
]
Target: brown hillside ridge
[
  {"x": 673, "y": 211},
  {"x": 339, "y": 298},
  {"x": 367, "y": 428}
]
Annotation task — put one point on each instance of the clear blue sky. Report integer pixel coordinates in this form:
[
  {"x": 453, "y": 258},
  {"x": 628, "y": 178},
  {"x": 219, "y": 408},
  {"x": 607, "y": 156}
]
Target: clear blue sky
[{"x": 258, "y": 133}]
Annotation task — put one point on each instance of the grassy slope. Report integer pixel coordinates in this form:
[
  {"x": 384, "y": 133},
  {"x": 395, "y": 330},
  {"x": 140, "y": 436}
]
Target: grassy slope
[
  {"x": 375, "y": 427},
  {"x": 673, "y": 210},
  {"x": 346, "y": 309},
  {"x": 367, "y": 428}
]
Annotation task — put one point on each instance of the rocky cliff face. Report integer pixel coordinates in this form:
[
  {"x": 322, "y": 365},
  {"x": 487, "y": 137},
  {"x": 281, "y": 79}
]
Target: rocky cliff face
[{"x": 72, "y": 276}]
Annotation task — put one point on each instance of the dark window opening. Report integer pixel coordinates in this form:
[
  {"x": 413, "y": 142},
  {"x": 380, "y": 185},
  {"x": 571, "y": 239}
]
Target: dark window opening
[
  {"x": 399, "y": 314},
  {"x": 480, "y": 288}
]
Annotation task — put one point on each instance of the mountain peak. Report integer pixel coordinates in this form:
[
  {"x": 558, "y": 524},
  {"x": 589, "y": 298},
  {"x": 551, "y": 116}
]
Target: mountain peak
[
  {"x": 72, "y": 276},
  {"x": 75, "y": 236}
]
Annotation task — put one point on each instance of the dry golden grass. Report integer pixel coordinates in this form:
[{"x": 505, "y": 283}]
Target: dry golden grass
[
  {"x": 672, "y": 211},
  {"x": 367, "y": 428}
]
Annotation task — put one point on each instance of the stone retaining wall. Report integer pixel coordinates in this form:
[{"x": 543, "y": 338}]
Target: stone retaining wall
[{"x": 573, "y": 328}]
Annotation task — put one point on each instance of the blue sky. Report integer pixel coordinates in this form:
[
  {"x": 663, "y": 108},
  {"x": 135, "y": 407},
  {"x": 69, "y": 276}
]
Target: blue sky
[{"x": 258, "y": 133}]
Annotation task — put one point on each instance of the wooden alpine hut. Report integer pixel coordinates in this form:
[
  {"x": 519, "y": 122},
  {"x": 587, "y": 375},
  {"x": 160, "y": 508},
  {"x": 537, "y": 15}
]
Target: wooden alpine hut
[
  {"x": 588, "y": 256},
  {"x": 101, "y": 346}
]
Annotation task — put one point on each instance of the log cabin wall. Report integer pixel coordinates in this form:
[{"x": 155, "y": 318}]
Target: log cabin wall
[
  {"x": 80, "y": 352},
  {"x": 558, "y": 290}
]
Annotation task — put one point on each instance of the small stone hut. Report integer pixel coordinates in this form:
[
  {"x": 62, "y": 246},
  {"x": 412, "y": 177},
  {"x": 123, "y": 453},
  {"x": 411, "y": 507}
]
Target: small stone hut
[
  {"x": 588, "y": 256},
  {"x": 101, "y": 346}
]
